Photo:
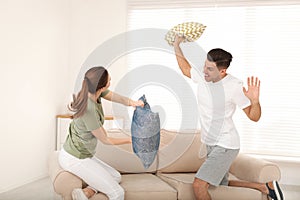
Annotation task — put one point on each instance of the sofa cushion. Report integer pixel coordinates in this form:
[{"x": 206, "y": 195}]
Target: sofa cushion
[
  {"x": 121, "y": 157},
  {"x": 146, "y": 187},
  {"x": 182, "y": 182},
  {"x": 143, "y": 186},
  {"x": 175, "y": 151},
  {"x": 258, "y": 170},
  {"x": 180, "y": 151},
  {"x": 60, "y": 177}
]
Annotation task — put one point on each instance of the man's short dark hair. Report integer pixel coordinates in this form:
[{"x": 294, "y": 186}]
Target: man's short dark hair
[{"x": 221, "y": 57}]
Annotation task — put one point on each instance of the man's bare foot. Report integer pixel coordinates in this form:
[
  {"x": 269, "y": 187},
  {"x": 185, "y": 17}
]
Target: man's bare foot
[
  {"x": 264, "y": 189},
  {"x": 274, "y": 190}
]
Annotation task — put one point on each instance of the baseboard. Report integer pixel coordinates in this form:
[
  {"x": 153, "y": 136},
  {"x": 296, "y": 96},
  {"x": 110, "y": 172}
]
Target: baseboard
[{"x": 15, "y": 186}]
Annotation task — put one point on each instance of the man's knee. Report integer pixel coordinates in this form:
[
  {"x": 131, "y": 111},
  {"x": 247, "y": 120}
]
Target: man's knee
[
  {"x": 200, "y": 188},
  {"x": 199, "y": 184}
]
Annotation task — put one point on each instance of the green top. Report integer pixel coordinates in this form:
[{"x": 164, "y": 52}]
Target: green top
[{"x": 80, "y": 141}]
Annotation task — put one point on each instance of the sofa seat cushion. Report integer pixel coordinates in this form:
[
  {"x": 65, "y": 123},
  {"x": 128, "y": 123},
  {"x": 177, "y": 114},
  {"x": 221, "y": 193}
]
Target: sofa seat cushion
[
  {"x": 182, "y": 182},
  {"x": 147, "y": 187}
]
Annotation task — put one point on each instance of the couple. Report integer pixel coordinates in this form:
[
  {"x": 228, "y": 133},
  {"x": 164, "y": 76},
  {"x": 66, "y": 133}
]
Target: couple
[{"x": 77, "y": 155}]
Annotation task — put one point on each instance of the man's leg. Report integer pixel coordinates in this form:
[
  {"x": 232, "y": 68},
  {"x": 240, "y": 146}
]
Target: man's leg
[
  {"x": 213, "y": 170},
  {"x": 271, "y": 188},
  {"x": 257, "y": 186},
  {"x": 201, "y": 189}
]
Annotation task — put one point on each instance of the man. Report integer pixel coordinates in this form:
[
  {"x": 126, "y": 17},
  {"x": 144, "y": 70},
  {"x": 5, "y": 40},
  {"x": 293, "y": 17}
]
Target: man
[{"x": 218, "y": 97}]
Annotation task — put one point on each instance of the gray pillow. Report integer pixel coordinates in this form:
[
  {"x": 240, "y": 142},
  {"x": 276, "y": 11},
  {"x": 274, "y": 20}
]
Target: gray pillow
[{"x": 145, "y": 132}]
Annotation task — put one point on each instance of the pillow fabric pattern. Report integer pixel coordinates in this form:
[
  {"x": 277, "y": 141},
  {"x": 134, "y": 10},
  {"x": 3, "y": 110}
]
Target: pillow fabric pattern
[
  {"x": 191, "y": 31},
  {"x": 145, "y": 133}
]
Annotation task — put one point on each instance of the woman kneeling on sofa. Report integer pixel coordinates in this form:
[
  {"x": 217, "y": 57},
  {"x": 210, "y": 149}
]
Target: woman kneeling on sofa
[{"x": 86, "y": 128}]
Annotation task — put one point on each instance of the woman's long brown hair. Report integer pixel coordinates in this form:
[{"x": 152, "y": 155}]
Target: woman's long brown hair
[{"x": 94, "y": 79}]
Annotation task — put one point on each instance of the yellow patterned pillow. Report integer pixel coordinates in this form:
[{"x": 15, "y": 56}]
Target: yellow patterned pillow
[{"x": 191, "y": 31}]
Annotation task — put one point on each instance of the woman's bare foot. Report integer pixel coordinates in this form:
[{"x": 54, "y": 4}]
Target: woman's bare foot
[{"x": 89, "y": 192}]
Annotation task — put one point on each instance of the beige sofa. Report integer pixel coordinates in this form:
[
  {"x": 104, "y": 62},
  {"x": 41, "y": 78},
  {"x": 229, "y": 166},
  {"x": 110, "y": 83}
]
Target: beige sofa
[{"x": 171, "y": 175}]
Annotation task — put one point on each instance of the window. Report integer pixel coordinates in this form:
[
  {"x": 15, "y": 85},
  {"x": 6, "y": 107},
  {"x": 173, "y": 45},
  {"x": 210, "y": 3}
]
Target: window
[{"x": 264, "y": 40}]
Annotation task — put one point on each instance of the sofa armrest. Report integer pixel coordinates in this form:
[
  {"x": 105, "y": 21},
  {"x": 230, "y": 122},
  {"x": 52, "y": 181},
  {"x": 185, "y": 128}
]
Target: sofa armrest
[
  {"x": 63, "y": 182},
  {"x": 253, "y": 169}
]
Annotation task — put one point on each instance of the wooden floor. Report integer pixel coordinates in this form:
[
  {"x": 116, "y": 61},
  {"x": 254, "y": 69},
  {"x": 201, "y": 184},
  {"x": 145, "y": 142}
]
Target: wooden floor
[{"x": 43, "y": 190}]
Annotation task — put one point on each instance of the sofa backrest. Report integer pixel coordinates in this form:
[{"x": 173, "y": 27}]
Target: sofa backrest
[
  {"x": 178, "y": 152},
  {"x": 122, "y": 157}
]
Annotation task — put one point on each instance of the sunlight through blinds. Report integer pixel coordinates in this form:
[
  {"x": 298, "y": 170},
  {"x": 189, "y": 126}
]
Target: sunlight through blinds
[{"x": 263, "y": 37}]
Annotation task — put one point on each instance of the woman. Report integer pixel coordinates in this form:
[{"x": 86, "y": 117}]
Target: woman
[{"x": 77, "y": 155}]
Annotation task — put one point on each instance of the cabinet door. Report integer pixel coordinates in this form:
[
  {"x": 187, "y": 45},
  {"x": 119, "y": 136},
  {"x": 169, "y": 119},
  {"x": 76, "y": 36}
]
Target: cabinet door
[{"x": 62, "y": 131}]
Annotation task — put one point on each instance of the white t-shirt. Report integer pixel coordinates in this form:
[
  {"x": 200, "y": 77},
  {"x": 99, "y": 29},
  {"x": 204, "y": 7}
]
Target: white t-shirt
[{"x": 217, "y": 103}]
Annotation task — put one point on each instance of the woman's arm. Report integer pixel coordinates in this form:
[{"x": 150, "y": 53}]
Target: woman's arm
[
  {"x": 101, "y": 135},
  {"x": 114, "y": 97},
  {"x": 253, "y": 111}
]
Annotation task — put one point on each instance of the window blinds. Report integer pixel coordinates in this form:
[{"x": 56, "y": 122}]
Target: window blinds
[{"x": 263, "y": 37}]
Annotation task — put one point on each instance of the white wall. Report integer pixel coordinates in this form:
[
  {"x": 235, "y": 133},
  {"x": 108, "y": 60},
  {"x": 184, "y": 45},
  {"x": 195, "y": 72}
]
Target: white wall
[
  {"x": 289, "y": 172},
  {"x": 92, "y": 23},
  {"x": 42, "y": 46}
]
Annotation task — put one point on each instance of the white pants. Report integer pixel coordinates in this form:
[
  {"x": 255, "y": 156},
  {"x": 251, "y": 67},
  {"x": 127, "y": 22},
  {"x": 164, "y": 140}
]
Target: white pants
[{"x": 97, "y": 174}]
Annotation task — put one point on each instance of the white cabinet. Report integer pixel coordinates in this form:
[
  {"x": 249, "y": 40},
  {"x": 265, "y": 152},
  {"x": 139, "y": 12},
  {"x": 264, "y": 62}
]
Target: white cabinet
[
  {"x": 63, "y": 122},
  {"x": 62, "y": 129}
]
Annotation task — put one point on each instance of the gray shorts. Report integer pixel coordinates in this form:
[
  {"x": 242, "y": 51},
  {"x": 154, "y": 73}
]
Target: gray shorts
[{"x": 216, "y": 166}]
